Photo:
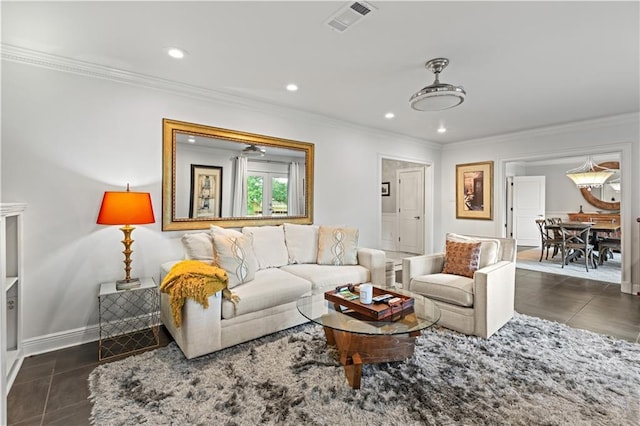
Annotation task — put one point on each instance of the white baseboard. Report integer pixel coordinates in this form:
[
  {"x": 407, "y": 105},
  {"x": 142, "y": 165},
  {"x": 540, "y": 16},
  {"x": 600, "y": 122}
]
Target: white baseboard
[{"x": 61, "y": 340}]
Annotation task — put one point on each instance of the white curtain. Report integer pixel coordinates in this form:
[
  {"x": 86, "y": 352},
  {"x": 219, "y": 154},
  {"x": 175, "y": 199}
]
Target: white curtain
[
  {"x": 239, "y": 202},
  {"x": 295, "y": 195}
]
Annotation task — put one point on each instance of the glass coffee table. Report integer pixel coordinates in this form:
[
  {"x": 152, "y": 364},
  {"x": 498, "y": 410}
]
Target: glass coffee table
[{"x": 360, "y": 340}]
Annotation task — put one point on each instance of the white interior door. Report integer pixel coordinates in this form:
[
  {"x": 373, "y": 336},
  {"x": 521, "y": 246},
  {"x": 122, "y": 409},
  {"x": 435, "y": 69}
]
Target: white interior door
[
  {"x": 411, "y": 210},
  {"x": 528, "y": 205}
]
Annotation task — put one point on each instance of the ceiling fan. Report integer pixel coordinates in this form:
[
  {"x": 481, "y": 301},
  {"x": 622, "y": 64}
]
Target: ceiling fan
[{"x": 253, "y": 151}]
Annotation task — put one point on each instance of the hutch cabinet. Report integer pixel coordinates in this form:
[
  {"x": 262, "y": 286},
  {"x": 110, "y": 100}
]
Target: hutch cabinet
[{"x": 11, "y": 276}]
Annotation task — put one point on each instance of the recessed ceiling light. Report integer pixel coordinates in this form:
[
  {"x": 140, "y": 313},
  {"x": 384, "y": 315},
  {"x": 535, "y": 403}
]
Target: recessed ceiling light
[
  {"x": 442, "y": 129},
  {"x": 292, "y": 87},
  {"x": 389, "y": 115},
  {"x": 191, "y": 139},
  {"x": 174, "y": 52}
]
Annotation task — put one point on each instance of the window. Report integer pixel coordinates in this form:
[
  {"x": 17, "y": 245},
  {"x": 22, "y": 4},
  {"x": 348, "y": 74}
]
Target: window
[{"x": 267, "y": 194}]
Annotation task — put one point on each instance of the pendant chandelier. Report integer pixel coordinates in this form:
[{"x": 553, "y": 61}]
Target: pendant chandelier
[{"x": 589, "y": 175}]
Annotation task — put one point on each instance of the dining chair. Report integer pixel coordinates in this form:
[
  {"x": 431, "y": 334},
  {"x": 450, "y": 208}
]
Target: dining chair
[
  {"x": 576, "y": 244},
  {"x": 555, "y": 233},
  {"x": 548, "y": 239},
  {"x": 606, "y": 247}
]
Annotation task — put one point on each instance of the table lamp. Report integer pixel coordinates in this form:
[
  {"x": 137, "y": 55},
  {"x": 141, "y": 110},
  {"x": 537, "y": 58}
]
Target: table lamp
[{"x": 126, "y": 208}]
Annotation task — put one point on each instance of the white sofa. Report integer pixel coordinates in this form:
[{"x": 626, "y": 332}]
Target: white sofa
[
  {"x": 479, "y": 304},
  {"x": 286, "y": 260}
]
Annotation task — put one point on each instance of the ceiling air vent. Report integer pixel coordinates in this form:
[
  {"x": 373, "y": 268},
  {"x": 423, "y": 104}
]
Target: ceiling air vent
[{"x": 349, "y": 15}]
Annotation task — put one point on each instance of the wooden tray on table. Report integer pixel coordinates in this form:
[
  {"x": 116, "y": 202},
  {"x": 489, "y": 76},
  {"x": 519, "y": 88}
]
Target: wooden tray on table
[{"x": 374, "y": 311}]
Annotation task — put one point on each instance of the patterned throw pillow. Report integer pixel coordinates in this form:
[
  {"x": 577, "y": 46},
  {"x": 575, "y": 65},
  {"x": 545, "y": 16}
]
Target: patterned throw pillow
[
  {"x": 489, "y": 247},
  {"x": 461, "y": 258},
  {"x": 337, "y": 245},
  {"x": 234, "y": 254}
]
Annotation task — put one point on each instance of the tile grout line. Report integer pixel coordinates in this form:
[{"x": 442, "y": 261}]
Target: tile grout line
[
  {"x": 46, "y": 399},
  {"x": 580, "y": 310},
  {"x": 589, "y": 301}
]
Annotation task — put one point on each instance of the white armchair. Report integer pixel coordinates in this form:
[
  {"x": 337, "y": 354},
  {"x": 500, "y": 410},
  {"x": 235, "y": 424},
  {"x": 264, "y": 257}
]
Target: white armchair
[{"x": 480, "y": 305}]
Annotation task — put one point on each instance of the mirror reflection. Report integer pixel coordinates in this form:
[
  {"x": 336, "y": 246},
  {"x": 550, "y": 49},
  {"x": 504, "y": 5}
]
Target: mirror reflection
[
  {"x": 230, "y": 178},
  {"x": 610, "y": 191},
  {"x": 608, "y": 196}
]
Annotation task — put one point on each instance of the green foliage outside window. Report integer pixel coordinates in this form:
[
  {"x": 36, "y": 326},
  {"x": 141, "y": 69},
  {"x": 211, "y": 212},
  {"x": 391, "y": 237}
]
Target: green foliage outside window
[
  {"x": 254, "y": 195},
  {"x": 279, "y": 195},
  {"x": 255, "y": 186}
]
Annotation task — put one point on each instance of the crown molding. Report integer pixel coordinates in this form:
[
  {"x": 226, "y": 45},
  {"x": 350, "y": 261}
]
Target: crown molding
[
  {"x": 36, "y": 58},
  {"x": 592, "y": 124}
]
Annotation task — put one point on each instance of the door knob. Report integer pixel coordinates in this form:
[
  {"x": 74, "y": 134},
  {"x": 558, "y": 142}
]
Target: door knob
[{"x": 416, "y": 217}]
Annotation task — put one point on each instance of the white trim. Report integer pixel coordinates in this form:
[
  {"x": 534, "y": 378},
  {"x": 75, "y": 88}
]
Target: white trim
[
  {"x": 61, "y": 340},
  {"x": 45, "y": 60},
  {"x": 592, "y": 124}
]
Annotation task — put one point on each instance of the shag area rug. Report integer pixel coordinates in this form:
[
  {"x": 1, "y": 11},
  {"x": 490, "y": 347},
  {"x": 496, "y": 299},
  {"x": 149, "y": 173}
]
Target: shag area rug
[
  {"x": 532, "y": 372},
  {"x": 610, "y": 271}
]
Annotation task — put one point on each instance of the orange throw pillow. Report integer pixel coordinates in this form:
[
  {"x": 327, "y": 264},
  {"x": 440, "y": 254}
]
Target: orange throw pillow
[{"x": 461, "y": 258}]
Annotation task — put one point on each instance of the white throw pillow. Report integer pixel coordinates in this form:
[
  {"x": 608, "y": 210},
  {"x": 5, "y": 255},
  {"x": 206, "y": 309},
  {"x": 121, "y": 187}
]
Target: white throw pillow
[
  {"x": 214, "y": 229},
  {"x": 233, "y": 253},
  {"x": 268, "y": 245},
  {"x": 198, "y": 246},
  {"x": 337, "y": 245},
  {"x": 302, "y": 242},
  {"x": 489, "y": 248}
]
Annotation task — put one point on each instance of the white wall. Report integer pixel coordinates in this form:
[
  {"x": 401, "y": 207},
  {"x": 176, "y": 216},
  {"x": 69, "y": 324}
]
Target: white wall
[
  {"x": 66, "y": 138},
  {"x": 616, "y": 134}
]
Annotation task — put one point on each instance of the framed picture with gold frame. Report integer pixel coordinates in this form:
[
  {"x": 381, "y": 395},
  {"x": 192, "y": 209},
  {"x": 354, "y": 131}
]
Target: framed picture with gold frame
[{"x": 474, "y": 191}]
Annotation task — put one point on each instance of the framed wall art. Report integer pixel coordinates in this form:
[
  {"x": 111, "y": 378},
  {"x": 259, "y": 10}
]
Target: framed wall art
[
  {"x": 386, "y": 189},
  {"x": 474, "y": 191},
  {"x": 206, "y": 191}
]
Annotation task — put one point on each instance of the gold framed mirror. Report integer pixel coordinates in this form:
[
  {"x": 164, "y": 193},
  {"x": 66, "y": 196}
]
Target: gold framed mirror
[
  {"x": 230, "y": 178},
  {"x": 598, "y": 199}
]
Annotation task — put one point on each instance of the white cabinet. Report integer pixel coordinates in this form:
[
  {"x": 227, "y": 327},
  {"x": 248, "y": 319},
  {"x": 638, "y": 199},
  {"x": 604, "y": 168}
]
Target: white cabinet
[{"x": 11, "y": 276}]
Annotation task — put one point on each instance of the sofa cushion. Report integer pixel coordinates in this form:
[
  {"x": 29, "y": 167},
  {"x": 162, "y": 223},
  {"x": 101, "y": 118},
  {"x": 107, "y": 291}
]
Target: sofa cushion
[
  {"x": 235, "y": 255},
  {"x": 270, "y": 287},
  {"x": 449, "y": 288},
  {"x": 198, "y": 246},
  {"x": 461, "y": 258},
  {"x": 302, "y": 242},
  {"x": 337, "y": 245},
  {"x": 489, "y": 248},
  {"x": 324, "y": 276},
  {"x": 268, "y": 245},
  {"x": 215, "y": 229}
]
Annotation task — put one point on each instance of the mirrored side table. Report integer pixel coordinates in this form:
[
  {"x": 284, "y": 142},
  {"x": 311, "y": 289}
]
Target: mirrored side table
[{"x": 129, "y": 319}]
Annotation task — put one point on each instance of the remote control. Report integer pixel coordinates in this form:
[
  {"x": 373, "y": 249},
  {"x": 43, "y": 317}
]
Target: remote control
[{"x": 382, "y": 298}]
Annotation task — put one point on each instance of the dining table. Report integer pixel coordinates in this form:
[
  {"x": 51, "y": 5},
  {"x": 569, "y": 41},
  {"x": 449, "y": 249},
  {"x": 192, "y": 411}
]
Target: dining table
[{"x": 595, "y": 227}]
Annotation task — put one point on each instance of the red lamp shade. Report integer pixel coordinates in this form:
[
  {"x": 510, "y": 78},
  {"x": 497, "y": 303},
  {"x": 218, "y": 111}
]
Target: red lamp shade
[{"x": 126, "y": 208}]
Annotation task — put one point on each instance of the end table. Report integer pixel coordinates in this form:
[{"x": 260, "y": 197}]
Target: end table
[{"x": 129, "y": 319}]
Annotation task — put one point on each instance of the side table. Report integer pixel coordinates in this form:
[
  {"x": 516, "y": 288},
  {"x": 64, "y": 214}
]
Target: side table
[{"x": 129, "y": 319}]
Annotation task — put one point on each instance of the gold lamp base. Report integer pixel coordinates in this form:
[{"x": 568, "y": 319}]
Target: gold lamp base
[{"x": 127, "y": 283}]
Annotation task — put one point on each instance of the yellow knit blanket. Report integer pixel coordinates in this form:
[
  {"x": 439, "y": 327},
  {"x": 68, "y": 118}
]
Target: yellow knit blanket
[{"x": 196, "y": 280}]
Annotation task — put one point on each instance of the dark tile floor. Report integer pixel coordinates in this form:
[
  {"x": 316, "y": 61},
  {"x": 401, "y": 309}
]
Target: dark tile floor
[{"x": 51, "y": 389}]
